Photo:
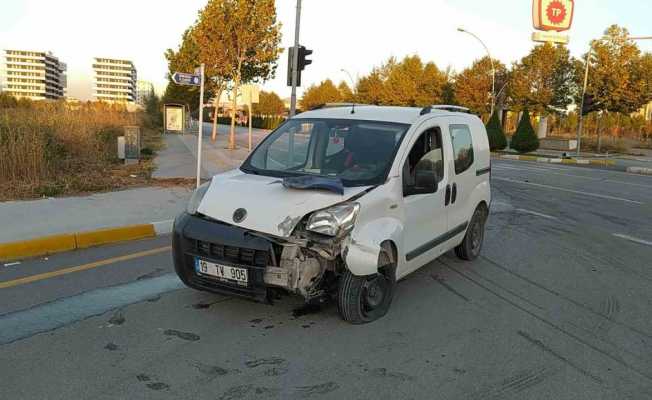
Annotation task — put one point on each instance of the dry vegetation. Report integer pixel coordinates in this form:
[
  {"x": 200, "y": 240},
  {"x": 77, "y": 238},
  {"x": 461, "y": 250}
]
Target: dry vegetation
[{"x": 52, "y": 149}]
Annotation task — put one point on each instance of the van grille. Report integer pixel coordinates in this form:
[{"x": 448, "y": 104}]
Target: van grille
[{"x": 238, "y": 255}]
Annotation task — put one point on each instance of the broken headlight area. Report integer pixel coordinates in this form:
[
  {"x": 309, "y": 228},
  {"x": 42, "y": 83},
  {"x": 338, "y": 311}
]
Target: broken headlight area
[
  {"x": 335, "y": 221},
  {"x": 309, "y": 261},
  {"x": 196, "y": 198}
]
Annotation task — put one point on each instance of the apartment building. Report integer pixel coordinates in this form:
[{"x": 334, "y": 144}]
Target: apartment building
[
  {"x": 36, "y": 75},
  {"x": 144, "y": 90},
  {"x": 114, "y": 80}
]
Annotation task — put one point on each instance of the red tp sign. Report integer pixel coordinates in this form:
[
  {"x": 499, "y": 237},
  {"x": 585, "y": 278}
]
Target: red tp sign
[{"x": 552, "y": 15}]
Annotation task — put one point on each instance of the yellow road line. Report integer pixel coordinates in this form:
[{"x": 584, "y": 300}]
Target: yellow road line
[{"x": 84, "y": 267}]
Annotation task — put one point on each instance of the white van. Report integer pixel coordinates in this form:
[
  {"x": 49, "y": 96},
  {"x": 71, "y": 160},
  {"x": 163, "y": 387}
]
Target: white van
[{"x": 340, "y": 202}]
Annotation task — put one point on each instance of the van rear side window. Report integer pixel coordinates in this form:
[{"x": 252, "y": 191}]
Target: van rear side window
[{"x": 462, "y": 147}]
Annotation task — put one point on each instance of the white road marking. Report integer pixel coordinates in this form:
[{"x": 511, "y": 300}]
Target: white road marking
[
  {"x": 538, "y": 214},
  {"x": 633, "y": 239},
  {"x": 547, "y": 172},
  {"x": 524, "y": 211},
  {"x": 11, "y": 264},
  {"x": 600, "y": 196}
]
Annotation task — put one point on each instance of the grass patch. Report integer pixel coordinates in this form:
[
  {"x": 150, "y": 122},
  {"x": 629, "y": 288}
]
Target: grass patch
[{"x": 51, "y": 149}]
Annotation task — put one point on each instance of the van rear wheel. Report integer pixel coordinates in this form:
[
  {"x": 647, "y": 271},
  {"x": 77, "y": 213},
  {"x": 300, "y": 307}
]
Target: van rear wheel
[
  {"x": 364, "y": 299},
  {"x": 471, "y": 246}
]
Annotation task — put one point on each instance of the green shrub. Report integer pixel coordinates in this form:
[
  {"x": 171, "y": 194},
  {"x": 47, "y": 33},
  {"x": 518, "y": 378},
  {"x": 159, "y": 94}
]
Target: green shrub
[
  {"x": 497, "y": 139},
  {"x": 525, "y": 139}
]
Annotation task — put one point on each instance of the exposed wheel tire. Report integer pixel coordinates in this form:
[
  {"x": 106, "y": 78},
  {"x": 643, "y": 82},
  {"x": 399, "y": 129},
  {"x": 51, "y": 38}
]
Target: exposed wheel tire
[
  {"x": 471, "y": 246},
  {"x": 363, "y": 299}
]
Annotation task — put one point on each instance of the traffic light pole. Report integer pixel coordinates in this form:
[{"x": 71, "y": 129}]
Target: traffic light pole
[
  {"x": 581, "y": 110},
  {"x": 295, "y": 62}
]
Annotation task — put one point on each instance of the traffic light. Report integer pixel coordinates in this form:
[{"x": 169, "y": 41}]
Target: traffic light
[
  {"x": 589, "y": 104},
  {"x": 303, "y": 61}
]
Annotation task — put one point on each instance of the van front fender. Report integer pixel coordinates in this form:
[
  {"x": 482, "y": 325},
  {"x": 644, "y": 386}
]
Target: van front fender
[{"x": 363, "y": 247}]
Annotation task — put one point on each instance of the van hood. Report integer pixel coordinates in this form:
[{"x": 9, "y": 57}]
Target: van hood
[{"x": 269, "y": 207}]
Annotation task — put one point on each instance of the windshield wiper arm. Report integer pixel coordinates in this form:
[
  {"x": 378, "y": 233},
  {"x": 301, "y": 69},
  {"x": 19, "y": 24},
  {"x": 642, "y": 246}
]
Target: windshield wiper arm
[{"x": 308, "y": 182}]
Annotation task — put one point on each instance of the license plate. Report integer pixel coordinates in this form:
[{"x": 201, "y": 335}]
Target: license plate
[{"x": 222, "y": 272}]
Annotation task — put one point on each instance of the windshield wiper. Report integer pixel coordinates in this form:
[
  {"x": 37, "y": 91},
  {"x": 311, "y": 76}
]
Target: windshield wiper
[{"x": 310, "y": 182}]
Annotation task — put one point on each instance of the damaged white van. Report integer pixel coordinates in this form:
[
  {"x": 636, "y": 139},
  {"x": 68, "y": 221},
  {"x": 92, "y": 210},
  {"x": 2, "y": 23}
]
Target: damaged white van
[{"x": 339, "y": 203}]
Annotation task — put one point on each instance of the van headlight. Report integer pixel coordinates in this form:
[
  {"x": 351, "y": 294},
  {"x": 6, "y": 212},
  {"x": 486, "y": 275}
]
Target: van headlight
[
  {"x": 334, "y": 221},
  {"x": 196, "y": 198}
]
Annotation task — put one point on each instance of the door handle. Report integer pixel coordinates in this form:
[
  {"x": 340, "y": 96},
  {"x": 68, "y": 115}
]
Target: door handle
[
  {"x": 454, "y": 193},
  {"x": 447, "y": 199}
]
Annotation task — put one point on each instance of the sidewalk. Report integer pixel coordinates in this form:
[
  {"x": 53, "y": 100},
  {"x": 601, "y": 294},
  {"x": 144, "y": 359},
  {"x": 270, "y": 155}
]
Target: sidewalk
[
  {"x": 23, "y": 220},
  {"x": 45, "y": 226},
  {"x": 179, "y": 158}
]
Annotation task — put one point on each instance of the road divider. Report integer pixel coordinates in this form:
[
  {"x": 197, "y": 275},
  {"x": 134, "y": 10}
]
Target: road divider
[
  {"x": 548, "y": 160},
  {"x": 42, "y": 246}
]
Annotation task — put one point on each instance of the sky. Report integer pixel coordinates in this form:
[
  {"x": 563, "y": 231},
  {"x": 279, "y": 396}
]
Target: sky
[{"x": 354, "y": 35}]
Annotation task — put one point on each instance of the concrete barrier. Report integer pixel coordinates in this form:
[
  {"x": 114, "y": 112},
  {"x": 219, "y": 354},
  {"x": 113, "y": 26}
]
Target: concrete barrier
[
  {"x": 639, "y": 170},
  {"x": 567, "y": 161},
  {"x": 81, "y": 240}
]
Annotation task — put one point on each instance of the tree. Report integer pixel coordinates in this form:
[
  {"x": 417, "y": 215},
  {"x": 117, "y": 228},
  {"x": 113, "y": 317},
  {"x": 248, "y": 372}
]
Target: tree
[
  {"x": 618, "y": 77},
  {"x": 346, "y": 94},
  {"x": 269, "y": 104},
  {"x": 405, "y": 83},
  {"x": 474, "y": 84},
  {"x": 153, "y": 109},
  {"x": 316, "y": 95},
  {"x": 7, "y": 101},
  {"x": 525, "y": 140},
  {"x": 497, "y": 140},
  {"x": 369, "y": 88},
  {"x": 545, "y": 80},
  {"x": 243, "y": 36},
  {"x": 431, "y": 86}
]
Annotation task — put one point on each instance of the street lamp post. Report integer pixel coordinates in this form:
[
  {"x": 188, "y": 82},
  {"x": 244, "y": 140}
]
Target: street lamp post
[
  {"x": 493, "y": 68},
  {"x": 351, "y": 79}
]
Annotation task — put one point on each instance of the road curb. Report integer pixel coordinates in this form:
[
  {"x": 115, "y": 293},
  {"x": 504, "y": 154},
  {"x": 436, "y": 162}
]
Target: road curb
[
  {"x": 81, "y": 240},
  {"x": 639, "y": 170},
  {"x": 568, "y": 161}
]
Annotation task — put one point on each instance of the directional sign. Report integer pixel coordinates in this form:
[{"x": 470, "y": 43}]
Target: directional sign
[{"x": 181, "y": 78}]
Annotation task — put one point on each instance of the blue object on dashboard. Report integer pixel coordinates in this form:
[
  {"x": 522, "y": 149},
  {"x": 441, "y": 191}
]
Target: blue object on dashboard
[{"x": 308, "y": 182}]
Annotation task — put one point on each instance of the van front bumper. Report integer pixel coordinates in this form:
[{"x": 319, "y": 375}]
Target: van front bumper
[{"x": 197, "y": 237}]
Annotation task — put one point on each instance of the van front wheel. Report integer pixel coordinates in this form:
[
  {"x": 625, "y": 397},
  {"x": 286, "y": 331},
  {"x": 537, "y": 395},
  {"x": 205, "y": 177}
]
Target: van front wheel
[
  {"x": 363, "y": 299},
  {"x": 470, "y": 247}
]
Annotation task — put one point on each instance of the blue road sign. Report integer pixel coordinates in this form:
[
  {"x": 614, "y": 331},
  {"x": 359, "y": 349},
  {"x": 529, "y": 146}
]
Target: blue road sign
[{"x": 181, "y": 78}]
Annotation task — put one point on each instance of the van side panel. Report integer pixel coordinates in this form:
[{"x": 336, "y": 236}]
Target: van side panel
[{"x": 380, "y": 208}]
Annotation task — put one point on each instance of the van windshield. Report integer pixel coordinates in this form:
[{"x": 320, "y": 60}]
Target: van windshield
[{"x": 359, "y": 153}]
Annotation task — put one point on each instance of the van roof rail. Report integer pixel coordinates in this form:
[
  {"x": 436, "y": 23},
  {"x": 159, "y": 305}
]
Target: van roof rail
[
  {"x": 335, "y": 105},
  {"x": 445, "y": 107}
]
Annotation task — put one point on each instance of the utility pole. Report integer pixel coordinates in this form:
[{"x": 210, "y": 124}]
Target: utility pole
[
  {"x": 295, "y": 62},
  {"x": 201, "y": 124}
]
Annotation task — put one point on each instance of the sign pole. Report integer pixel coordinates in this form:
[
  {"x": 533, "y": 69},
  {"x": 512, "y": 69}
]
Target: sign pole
[
  {"x": 250, "y": 123},
  {"x": 201, "y": 123}
]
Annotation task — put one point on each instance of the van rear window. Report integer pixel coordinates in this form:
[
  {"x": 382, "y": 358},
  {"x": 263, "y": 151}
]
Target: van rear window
[{"x": 462, "y": 147}]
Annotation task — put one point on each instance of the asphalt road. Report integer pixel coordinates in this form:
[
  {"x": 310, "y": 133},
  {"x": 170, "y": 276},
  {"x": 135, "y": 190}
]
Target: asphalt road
[{"x": 558, "y": 307}]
